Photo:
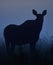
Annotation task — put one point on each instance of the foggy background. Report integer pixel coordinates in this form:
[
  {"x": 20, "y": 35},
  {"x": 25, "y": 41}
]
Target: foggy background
[{"x": 18, "y": 11}]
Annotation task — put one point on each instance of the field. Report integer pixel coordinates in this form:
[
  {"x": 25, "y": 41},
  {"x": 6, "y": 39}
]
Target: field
[{"x": 42, "y": 56}]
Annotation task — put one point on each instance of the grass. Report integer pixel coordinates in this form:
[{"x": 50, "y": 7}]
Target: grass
[{"x": 42, "y": 56}]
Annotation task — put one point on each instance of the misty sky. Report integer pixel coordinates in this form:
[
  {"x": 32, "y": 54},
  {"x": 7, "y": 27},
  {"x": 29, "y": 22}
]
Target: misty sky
[{"x": 17, "y": 11}]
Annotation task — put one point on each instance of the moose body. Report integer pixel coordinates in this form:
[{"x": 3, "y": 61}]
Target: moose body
[{"x": 28, "y": 32}]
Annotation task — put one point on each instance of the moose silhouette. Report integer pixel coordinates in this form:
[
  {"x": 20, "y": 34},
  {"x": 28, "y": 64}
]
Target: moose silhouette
[{"x": 27, "y": 32}]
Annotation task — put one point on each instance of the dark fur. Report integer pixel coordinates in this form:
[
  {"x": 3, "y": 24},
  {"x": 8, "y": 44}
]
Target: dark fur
[{"x": 28, "y": 32}]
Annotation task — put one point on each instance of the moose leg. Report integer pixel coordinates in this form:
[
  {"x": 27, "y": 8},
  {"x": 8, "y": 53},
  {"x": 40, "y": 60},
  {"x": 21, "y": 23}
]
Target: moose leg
[
  {"x": 7, "y": 46},
  {"x": 12, "y": 47},
  {"x": 32, "y": 51},
  {"x": 20, "y": 49},
  {"x": 32, "y": 46}
]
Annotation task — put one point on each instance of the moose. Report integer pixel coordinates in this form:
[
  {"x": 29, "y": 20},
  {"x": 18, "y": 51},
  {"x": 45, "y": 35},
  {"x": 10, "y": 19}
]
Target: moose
[{"x": 27, "y": 32}]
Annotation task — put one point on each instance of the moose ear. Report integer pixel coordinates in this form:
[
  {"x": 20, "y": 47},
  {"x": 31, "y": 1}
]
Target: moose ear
[
  {"x": 34, "y": 12},
  {"x": 44, "y": 12}
]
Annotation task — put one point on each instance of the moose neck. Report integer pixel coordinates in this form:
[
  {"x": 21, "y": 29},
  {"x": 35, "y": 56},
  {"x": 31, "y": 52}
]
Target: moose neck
[{"x": 39, "y": 23}]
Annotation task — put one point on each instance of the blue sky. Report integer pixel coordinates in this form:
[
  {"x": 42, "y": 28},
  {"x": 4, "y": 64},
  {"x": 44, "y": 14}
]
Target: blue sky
[{"x": 17, "y": 11}]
